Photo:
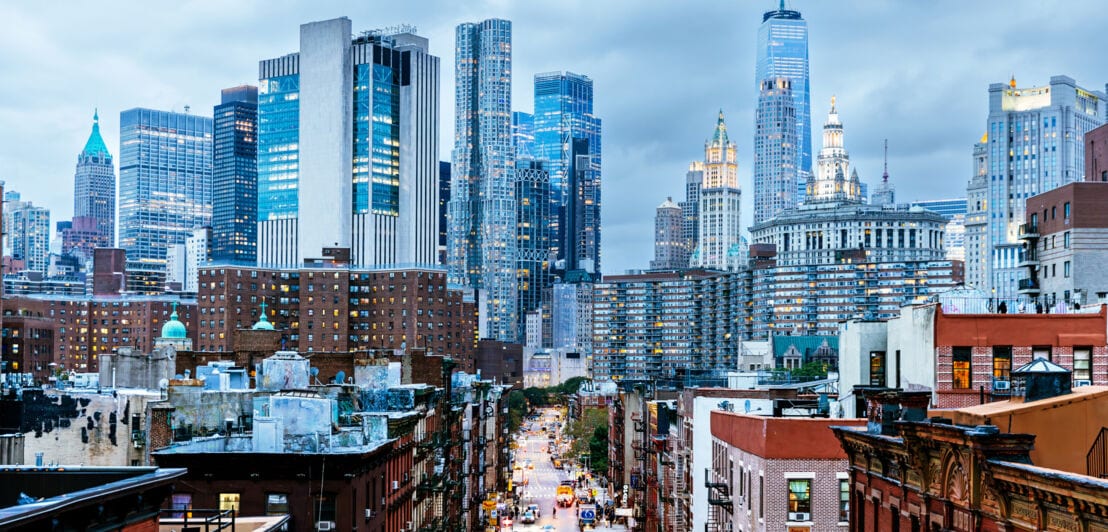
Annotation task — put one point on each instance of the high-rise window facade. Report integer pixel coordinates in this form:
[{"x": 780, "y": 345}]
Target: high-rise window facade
[
  {"x": 235, "y": 176},
  {"x": 533, "y": 208},
  {"x": 352, "y": 121},
  {"x": 27, "y": 232},
  {"x": 165, "y": 181},
  {"x": 775, "y": 150},
  {"x": 782, "y": 52},
  {"x": 718, "y": 241},
  {"x": 1034, "y": 143},
  {"x": 482, "y": 250},
  {"x": 564, "y": 112}
]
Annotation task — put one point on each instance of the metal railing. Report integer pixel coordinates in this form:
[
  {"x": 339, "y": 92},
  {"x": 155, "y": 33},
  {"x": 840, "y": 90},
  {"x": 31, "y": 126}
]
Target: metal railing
[{"x": 210, "y": 520}]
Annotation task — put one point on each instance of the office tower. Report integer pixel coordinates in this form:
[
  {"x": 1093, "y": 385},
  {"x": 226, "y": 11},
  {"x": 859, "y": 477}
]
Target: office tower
[
  {"x": 93, "y": 195},
  {"x": 348, "y": 148},
  {"x": 775, "y": 150},
  {"x": 444, "y": 202},
  {"x": 523, "y": 135},
  {"x": 533, "y": 208},
  {"x": 718, "y": 244},
  {"x": 690, "y": 208},
  {"x": 977, "y": 249},
  {"x": 954, "y": 236},
  {"x": 26, "y": 232},
  {"x": 563, "y": 113},
  {"x": 834, "y": 180},
  {"x": 782, "y": 52},
  {"x": 1035, "y": 141},
  {"x": 165, "y": 182},
  {"x": 482, "y": 240},
  {"x": 235, "y": 176},
  {"x": 580, "y": 223},
  {"x": 669, "y": 247}
]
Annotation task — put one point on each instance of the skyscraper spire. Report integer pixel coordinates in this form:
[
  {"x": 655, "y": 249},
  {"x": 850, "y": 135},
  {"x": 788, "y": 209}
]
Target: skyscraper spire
[
  {"x": 885, "y": 174},
  {"x": 95, "y": 144}
]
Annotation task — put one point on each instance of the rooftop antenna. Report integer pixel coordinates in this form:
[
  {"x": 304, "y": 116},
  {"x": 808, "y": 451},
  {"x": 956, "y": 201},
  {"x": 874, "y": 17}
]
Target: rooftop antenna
[{"x": 885, "y": 176}]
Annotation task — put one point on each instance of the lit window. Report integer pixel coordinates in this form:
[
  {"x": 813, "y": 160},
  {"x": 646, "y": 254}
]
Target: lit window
[
  {"x": 229, "y": 501},
  {"x": 800, "y": 498},
  {"x": 961, "y": 372}
]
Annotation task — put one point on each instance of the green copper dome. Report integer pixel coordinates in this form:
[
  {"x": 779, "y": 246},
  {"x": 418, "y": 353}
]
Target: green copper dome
[
  {"x": 263, "y": 321},
  {"x": 95, "y": 144},
  {"x": 173, "y": 328}
]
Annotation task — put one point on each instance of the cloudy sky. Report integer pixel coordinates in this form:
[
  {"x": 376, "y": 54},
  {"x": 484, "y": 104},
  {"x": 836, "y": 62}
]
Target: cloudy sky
[{"x": 913, "y": 72}]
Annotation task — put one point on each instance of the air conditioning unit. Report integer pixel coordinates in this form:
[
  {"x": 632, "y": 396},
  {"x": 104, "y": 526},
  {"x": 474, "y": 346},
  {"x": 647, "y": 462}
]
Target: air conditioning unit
[
  {"x": 799, "y": 516},
  {"x": 1083, "y": 383},
  {"x": 395, "y": 485},
  {"x": 325, "y": 525},
  {"x": 369, "y": 513},
  {"x": 408, "y": 526},
  {"x": 1002, "y": 386}
]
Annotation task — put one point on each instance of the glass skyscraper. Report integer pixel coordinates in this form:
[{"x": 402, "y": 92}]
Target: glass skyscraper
[
  {"x": 94, "y": 194},
  {"x": 775, "y": 154},
  {"x": 235, "y": 176},
  {"x": 523, "y": 134},
  {"x": 533, "y": 206},
  {"x": 564, "y": 112},
  {"x": 783, "y": 53},
  {"x": 482, "y": 239},
  {"x": 165, "y": 182},
  {"x": 351, "y": 122}
]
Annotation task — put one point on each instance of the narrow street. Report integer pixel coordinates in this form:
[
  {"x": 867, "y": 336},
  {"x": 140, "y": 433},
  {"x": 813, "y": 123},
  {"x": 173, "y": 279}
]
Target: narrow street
[{"x": 533, "y": 458}]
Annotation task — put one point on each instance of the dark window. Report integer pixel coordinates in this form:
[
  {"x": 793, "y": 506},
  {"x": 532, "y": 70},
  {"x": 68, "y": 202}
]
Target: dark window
[
  {"x": 325, "y": 507},
  {"x": 844, "y": 500},
  {"x": 961, "y": 371},
  {"x": 1002, "y": 362}
]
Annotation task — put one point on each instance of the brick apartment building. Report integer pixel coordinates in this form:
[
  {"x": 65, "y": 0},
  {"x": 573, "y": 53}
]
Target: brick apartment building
[
  {"x": 330, "y": 309},
  {"x": 966, "y": 359},
  {"x": 85, "y": 327},
  {"x": 1096, "y": 154},
  {"x": 777, "y": 473}
]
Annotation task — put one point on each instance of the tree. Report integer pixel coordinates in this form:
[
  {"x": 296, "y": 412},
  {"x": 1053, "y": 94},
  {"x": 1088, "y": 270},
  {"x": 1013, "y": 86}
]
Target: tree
[
  {"x": 537, "y": 396},
  {"x": 570, "y": 386},
  {"x": 517, "y": 407},
  {"x": 593, "y": 421}
]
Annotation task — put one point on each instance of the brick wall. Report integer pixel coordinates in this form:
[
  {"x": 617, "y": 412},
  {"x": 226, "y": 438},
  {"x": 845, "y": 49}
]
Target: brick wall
[{"x": 748, "y": 500}]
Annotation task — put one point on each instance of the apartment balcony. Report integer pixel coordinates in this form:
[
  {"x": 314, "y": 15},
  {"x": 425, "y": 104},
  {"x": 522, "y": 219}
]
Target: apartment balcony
[
  {"x": 1029, "y": 287},
  {"x": 1029, "y": 232},
  {"x": 1030, "y": 260}
]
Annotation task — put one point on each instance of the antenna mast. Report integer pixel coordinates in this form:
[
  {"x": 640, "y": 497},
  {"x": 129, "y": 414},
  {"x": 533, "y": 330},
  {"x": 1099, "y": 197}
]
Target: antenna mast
[{"x": 885, "y": 176}]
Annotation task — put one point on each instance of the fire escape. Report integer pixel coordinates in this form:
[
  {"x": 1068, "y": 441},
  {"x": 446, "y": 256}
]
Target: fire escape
[
  {"x": 445, "y": 483},
  {"x": 719, "y": 501}
]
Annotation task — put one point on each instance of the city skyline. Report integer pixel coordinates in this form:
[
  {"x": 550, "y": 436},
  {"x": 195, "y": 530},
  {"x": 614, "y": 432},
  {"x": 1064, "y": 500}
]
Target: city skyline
[{"x": 881, "y": 97}]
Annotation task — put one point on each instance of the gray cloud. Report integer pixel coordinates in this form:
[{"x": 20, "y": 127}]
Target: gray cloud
[{"x": 913, "y": 72}]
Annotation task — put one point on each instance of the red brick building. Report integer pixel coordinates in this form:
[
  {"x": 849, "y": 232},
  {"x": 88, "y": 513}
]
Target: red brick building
[
  {"x": 339, "y": 309},
  {"x": 1096, "y": 154},
  {"x": 86, "y": 327},
  {"x": 913, "y": 474},
  {"x": 777, "y": 473},
  {"x": 978, "y": 351}
]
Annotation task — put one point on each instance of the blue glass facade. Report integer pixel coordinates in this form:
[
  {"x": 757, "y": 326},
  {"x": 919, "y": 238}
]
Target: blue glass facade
[
  {"x": 523, "y": 134},
  {"x": 376, "y": 140},
  {"x": 563, "y": 112},
  {"x": 278, "y": 146},
  {"x": 165, "y": 181},
  {"x": 235, "y": 177},
  {"x": 783, "y": 53}
]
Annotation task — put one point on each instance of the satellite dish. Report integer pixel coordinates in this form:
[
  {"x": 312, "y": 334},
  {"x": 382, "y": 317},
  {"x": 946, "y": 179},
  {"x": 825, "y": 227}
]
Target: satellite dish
[
  {"x": 163, "y": 384},
  {"x": 746, "y": 406},
  {"x": 315, "y": 372}
]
